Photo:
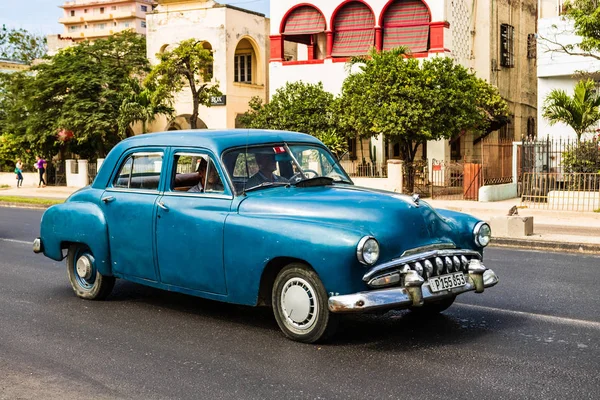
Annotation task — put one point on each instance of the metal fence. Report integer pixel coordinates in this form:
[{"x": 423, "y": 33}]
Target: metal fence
[
  {"x": 56, "y": 174},
  {"x": 562, "y": 191},
  {"x": 497, "y": 160},
  {"x": 92, "y": 168},
  {"x": 366, "y": 169},
  {"x": 561, "y": 174}
]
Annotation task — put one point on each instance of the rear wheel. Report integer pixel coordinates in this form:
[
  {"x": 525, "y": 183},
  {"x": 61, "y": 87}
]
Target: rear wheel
[
  {"x": 84, "y": 277},
  {"x": 434, "y": 308},
  {"x": 300, "y": 305}
]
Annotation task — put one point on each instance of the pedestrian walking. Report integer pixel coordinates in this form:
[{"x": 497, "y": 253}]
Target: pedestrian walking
[
  {"x": 41, "y": 167},
  {"x": 19, "y": 172}
]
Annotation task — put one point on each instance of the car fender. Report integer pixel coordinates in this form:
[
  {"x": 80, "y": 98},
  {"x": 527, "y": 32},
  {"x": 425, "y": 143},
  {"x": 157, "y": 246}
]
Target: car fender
[
  {"x": 252, "y": 242},
  {"x": 76, "y": 222}
]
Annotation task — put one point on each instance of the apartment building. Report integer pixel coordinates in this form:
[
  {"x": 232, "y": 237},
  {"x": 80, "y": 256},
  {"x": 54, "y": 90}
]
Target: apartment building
[
  {"x": 556, "y": 69},
  {"x": 312, "y": 42},
  {"x": 239, "y": 41},
  {"x": 95, "y": 19}
]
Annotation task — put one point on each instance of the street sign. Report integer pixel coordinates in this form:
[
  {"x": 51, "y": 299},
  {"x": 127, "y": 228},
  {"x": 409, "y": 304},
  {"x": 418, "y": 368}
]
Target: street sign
[{"x": 218, "y": 100}]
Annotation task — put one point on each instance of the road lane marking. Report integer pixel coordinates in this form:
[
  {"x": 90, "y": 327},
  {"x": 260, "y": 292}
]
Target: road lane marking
[
  {"x": 541, "y": 317},
  {"x": 16, "y": 241}
]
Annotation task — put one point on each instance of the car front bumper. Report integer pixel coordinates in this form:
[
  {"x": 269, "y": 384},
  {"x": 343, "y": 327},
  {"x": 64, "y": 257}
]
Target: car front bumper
[{"x": 411, "y": 295}]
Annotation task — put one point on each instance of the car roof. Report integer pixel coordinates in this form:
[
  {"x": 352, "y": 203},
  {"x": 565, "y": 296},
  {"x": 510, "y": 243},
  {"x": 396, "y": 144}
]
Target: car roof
[{"x": 215, "y": 139}]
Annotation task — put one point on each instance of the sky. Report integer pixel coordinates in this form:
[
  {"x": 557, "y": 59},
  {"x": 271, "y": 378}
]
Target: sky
[{"x": 41, "y": 16}]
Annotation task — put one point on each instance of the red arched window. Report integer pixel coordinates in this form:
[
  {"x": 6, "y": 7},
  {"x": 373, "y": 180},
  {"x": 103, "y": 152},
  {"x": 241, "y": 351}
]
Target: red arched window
[
  {"x": 353, "y": 30},
  {"x": 406, "y": 23},
  {"x": 304, "y": 20}
]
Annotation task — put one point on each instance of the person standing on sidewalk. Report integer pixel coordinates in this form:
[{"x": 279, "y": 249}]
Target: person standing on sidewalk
[
  {"x": 19, "y": 172},
  {"x": 41, "y": 167}
]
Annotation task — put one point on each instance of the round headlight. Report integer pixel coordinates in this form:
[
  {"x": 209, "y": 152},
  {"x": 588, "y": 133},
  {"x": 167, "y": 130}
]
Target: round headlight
[
  {"x": 482, "y": 234},
  {"x": 367, "y": 250}
]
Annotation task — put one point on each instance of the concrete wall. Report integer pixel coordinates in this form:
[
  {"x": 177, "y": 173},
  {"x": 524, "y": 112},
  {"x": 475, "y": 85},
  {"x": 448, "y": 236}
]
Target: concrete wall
[
  {"x": 29, "y": 179},
  {"x": 497, "y": 192}
]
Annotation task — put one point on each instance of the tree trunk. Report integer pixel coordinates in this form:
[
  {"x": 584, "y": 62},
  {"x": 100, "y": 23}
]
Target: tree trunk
[{"x": 408, "y": 155}]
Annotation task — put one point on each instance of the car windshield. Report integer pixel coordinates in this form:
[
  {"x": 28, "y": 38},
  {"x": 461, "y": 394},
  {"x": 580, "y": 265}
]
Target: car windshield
[{"x": 281, "y": 164}]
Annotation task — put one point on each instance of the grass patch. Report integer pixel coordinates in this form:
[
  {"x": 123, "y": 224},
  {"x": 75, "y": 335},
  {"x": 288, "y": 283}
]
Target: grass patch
[
  {"x": 4, "y": 186},
  {"x": 31, "y": 200},
  {"x": 598, "y": 210}
]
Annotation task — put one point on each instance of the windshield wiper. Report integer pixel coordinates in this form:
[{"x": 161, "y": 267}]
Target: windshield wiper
[
  {"x": 316, "y": 181},
  {"x": 266, "y": 185}
]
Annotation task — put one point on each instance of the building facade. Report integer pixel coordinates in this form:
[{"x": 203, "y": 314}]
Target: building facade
[
  {"x": 311, "y": 41},
  {"x": 10, "y": 66},
  {"x": 239, "y": 41},
  {"x": 96, "y": 19},
  {"x": 555, "y": 69}
]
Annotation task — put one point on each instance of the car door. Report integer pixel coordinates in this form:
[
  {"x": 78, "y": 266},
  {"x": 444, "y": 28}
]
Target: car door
[
  {"x": 189, "y": 231},
  {"x": 129, "y": 205}
]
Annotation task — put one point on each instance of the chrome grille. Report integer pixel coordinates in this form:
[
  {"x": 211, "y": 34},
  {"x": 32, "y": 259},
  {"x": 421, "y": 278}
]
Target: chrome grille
[{"x": 427, "y": 264}]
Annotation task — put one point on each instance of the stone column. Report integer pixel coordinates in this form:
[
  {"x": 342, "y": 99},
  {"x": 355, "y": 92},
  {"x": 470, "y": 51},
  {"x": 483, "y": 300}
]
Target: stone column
[
  {"x": 395, "y": 175},
  {"x": 83, "y": 177},
  {"x": 70, "y": 177}
]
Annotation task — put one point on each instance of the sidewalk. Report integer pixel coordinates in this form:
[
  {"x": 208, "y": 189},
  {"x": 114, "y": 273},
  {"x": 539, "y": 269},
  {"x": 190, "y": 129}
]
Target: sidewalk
[
  {"x": 553, "y": 230},
  {"x": 51, "y": 192}
]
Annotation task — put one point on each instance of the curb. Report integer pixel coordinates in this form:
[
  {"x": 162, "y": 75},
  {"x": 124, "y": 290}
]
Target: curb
[
  {"x": 23, "y": 205},
  {"x": 563, "y": 247}
]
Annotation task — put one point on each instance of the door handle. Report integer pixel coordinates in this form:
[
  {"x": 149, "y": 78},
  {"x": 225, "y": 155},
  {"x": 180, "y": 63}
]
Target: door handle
[
  {"x": 108, "y": 199},
  {"x": 162, "y": 205}
]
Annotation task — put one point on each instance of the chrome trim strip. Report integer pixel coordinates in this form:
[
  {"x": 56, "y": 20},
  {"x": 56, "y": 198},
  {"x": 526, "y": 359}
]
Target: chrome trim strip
[
  {"x": 435, "y": 246},
  {"x": 418, "y": 257},
  {"x": 398, "y": 297}
]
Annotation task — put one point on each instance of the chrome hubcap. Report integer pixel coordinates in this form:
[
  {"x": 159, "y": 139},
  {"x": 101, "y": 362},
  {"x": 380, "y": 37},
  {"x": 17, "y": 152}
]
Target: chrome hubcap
[
  {"x": 84, "y": 267},
  {"x": 299, "y": 303}
]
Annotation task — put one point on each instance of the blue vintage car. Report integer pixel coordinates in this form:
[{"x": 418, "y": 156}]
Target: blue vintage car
[{"x": 261, "y": 217}]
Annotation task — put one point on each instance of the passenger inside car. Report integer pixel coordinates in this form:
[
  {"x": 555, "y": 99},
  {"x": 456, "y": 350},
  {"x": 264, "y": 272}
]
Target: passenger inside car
[
  {"x": 201, "y": 171},
  {"x": 267, "y": 164}
]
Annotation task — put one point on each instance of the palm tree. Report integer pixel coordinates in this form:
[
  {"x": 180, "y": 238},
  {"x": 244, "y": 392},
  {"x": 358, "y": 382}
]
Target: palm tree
[
  {"x": 143, "y": 105},
  {"x": 580, "y": 112}
]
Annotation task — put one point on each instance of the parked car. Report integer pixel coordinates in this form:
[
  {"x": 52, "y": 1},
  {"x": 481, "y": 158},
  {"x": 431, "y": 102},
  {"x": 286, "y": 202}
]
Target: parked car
[{"x": 260, "y": 217}]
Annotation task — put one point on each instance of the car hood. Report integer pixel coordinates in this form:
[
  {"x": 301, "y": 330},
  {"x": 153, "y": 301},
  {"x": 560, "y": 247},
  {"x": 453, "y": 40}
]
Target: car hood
[{"x": 395, "y": 220}]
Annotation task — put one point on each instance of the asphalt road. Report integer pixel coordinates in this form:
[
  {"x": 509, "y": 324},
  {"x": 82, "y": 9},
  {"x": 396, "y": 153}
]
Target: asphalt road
[{"x": 533, "y": 336}]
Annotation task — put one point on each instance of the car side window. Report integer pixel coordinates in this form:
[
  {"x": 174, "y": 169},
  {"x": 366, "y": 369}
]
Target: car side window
[
  {"x": 140, "y": 171},
  {"x": 195, "y": 173}
]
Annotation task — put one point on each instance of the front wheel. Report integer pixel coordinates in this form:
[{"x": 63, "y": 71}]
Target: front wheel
[
  {"x": 84, "y": 278},
  {"x": 300, "y": 305}
]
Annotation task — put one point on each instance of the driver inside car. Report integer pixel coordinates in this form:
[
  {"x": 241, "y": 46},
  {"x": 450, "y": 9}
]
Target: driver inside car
[{"x": 266, "y": 166}]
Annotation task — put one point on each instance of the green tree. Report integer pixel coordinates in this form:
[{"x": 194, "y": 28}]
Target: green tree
[
  {"x": 21, "y": 45},
  {"x": 82, "y": 88},
  {"x": 300, "y": 107},
  {"x": 411, "y": 101},
  {"x": 143, "y": 105},
  {"x": 15, "y": 93},
  {"x": 580, "y": 112},
  {"x": 585, "y": 15},
  {"x": 188, "y": 64}
]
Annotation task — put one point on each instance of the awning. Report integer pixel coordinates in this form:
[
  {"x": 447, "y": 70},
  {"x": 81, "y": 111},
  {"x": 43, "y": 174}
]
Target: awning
[
  {"x": 406, "y": 23},
  {"x": 304, "y": 20},
  {"x": 354, "y": 30},
  {"x": 413, "y": 37}
]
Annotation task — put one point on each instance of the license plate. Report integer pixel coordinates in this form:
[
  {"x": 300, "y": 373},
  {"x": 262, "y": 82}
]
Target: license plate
[{"x": 445, "y": 282}]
